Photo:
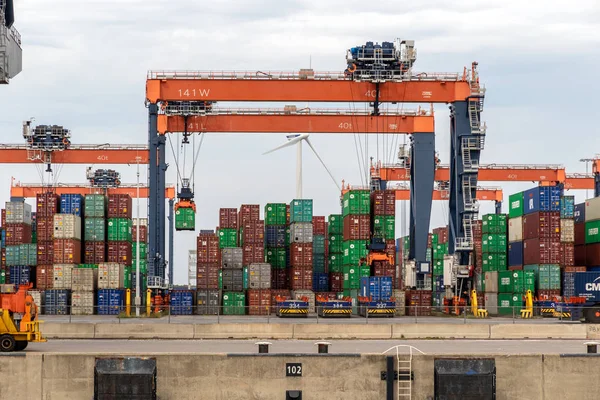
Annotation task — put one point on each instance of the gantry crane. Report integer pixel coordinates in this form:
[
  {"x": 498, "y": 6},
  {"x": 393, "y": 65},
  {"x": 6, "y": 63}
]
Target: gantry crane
[
  {"x": 11, "y": 54},
  {"x": 484, "y": 193}
]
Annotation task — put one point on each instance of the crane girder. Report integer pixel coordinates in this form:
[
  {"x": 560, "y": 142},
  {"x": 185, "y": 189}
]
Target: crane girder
[
  {"x": 31, "y": 190},
  {"x": 76, "y": 154}
]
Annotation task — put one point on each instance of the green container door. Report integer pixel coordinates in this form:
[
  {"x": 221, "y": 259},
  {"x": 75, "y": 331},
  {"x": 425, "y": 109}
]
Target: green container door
[
  {"x": 515, "y": 205},
  {"x": 434, "y": 239},
  {"x": 95, "y": 206},
  {"x": 336, "y": 262},
  {"x": 364, "y": 271},
  {"x": 228, "y": 237},
  {"x": 356, "y": 202},
  {"x": 275, "y": 214},
  {"x": 185, "y": 219},
  {"x": 509, "y": 303},
  {"x": 505, "y": 282},
  {"x": 438, "y": 267},
  {"x": 276, "y": 257},
  {"x": 127, "y": 278},
  {"x": 234, "y": 303},
  {"x": 592, "y": 232},
  {"x": 494, "y": 224},
  {"x": 439, "y": 251},
  {"x": 494, "y": 262},
  {"x": 220, "y": 280},
  {"x": 354, "y": 250},
  {"x": 336, "y": 244},
  {"x": 301, "y": 210},
  {"x": 94, "y": 230},
  {"x": 34, "y": 237},
  {"x": 493, "y": 243},
  {"x": 143, "y": 251},
  {"x": 119, "y": 229},
  {"x": 351, "y": 277},
  {"x": 318, "y": 244},
  {"x": 429, "y": 254},
  {"x": 529, "y": 281},
  {"x": 336, "y": 224},
  {"x": 384, "y": 226}
]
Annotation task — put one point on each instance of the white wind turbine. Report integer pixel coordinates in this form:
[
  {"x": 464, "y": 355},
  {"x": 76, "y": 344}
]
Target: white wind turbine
[{"x": 297, "y": 140}]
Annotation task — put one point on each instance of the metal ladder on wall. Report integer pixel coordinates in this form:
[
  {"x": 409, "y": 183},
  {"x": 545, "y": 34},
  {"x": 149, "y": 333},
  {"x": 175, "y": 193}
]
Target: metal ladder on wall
[{"x": 404, "y": 382}]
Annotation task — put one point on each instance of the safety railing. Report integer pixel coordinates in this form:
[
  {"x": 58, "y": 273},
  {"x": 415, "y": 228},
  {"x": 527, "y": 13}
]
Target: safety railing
[{"x": 316, "y": 111}]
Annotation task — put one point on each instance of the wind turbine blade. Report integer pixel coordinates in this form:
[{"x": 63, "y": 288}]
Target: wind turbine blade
[
  {"x": 323, "y": 163},
  {"x": 291, "y": 142}
]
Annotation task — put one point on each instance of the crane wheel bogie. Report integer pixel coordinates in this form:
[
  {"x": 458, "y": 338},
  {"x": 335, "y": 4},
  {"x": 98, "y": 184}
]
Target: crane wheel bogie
[{"x": 7, "y": 343}]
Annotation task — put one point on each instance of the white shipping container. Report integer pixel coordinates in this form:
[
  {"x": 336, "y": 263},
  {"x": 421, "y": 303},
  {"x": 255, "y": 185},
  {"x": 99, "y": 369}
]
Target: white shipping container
[
  {"x": 592, "y": 209},
  {"x": 67, "y": 226},
  {"x": 192, "y": 262},
  {"x": 410, "y": 274},
  {"x": 400, "y": 297},
  {"x": 515, "y": 229},
  {"x": 37, "y": 298},
  {"x": 491, "y": 303},
  {"x": 143, "y": 221},
  {"x": 84, "y": 279},
  {"x": 448, "y": 270},
  {"x": 301, "y": 232},
  {"x": 82, "y": 303},
  {"x": 259, "y": 276},
  {"x": 63, "y": 274},
  {"x": 491, "y": 282},
  {"x": 18, "y": 212},
  {"x": 111, "y": 276},
  {"x": 567, "y": 230},
  {"x": 298, "y": 294}
]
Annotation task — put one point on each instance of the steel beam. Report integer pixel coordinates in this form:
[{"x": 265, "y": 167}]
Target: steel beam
[
  {"x": 153, "y": 184},
  {"x": 171, "y": 238}
]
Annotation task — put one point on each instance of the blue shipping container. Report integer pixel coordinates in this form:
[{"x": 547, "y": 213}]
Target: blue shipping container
[
  {"x": 541, "y": 198},
  {"x": 182, "y": 302},
  {"x": 579, "y": 213},
  {"x": 320, "y": 282},
  {"x": 567, "y": 206},
  {"x": 587, "y": 284},
  {"x": 378, "y": 288},
  {"x": 110, "y": 301},
  {"x": 71, "y": 204},
  {"x": 20, "y": 275},
  {"x": 275, "y": 235},
  {"x": 568, "y": 284},
  {"x": 3, "y": 238},
  {"x": 438, "y": 283},
  {"x": 319, "y": 263},
  {"x": 56, "y": 301},
  {"x": 515, "y": 254}
]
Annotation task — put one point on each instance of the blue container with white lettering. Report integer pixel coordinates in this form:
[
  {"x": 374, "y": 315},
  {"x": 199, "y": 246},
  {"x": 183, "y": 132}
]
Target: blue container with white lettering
[
  {"x": 541, "y": 198},
  {"x": 377, "y": 288},
  {"x": 71, "y": 204},
  {"x": 275, "y": 235},
  {"x": 182, "y": 302},
  {"x": 110, "y": 301},
  {"x": 579, "y": 213},
  {"x": 587, "y": 284}
]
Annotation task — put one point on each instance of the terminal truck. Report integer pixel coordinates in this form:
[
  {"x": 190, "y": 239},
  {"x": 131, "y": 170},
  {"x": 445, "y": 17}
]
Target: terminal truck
[{"x": 581, "y": 296}]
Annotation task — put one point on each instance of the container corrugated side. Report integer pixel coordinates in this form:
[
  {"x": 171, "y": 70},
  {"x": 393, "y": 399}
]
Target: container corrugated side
[{"x": 67, "y": 226}]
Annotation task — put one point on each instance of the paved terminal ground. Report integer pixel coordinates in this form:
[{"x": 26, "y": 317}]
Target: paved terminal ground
[{"x": 308, "y": 346}]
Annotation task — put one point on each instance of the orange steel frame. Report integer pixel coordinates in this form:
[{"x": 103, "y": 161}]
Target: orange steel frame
[
  {"x": 29, "y": 191},
  {"x": 483, "y": 194},
  {"x": 18, "y": 154}
]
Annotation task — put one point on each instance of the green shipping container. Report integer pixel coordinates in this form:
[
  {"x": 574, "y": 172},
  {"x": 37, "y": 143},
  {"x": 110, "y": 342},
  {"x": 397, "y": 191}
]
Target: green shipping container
[
  {"x": 493, "y": 243},
  {"x": 119, "y": 229},
  {"x": 220, "y": 280},
  {"x": 592, "y": 232},
  {"x": 34, "y": 237},
  {"x": 351, "y": 277},
  {"x": 494, "y": 262},
  {"x": 228, "y": 237},
  {"x": 143, "y": 250},
  {"x": 301, "y": 210},
  {"x": 429, "y": 254},
  {"x": 439, "y": 251},
  {"x": 276, "y": 257},
  {"x": 356, "y": 202},
  {"x": 336, "y": 224},
  {"x": 336, "y": 243},
  {"x": 234, "y": 303},
  {"x": 509, "y": 303},
  {"x": 435, "y": 239},
  {"x": 547, "y": 276},
  {"x": 438, "y": 267},
  {"x": 354, "y": 250},
  {"x": 95, "y": 206},
  {"x": 94, "y": 230},
  {"x": 494, "y": 224},
  {"x": 336, "y": 262},
  {"x": 127, "y": 278},
  {"x": 384, "y": 226},
  {"x": 2, "y": 278},
  {"x": 406, "y": 241},
  {"x": 275, "y": 214},
  {"x": 185, "y": 219},
  {"x": 515, "y": 205},
  {"x": 516, "y": 281},
  {"x": 318, "y": 244},
  {"x": 89, "y": 266}
]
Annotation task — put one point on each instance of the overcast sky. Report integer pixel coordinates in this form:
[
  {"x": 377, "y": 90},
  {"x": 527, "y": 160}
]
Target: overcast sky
[{"x": 85, "y": 65}]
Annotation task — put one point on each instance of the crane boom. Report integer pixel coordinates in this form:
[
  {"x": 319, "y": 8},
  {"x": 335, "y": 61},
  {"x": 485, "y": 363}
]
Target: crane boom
[
  {"x": 76, "y": 154},
  {"x": 31, "y": 190}
]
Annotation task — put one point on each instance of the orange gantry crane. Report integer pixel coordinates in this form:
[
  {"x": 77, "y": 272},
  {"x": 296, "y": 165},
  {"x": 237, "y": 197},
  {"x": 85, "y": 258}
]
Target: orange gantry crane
[
  {"x": 75, "y": 154},
  {"x": 30, "y": 190},
  {"x": 484, "y": 193}
]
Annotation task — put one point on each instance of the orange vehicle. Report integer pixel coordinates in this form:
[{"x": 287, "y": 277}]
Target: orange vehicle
[{"x": 18, "y": 320}]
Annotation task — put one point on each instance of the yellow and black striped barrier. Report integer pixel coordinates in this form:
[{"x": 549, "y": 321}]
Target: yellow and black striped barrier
[
  {"x": 337, "y": 311},
  {"x": 385, "y": 311},
  {"x": 293, "y": 311},
  {"x": 558, "y": 314},
  {"x": 547, "y": 311}
]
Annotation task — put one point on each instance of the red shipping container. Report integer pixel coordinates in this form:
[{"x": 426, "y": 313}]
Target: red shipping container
[
  {"x": 580, "y": 233},
  {"x": 44, "y": 277},
  {"x": 18, "y": 234},
  {"x": 3, "y": 217},
  {"x": 442, "y": 233},
  {"x": 541, "y": 251},
  {"x": 228, "y": 218},
  {"x": 67, "y": 251},
  {"x": 478, "y": 229},
  {"x": 119, "y": 252},
  {"x": 207, "y": 247},
  {"x": 546, "y": 294},
  {"x": 327, "y": 295},
  {"x": 45, "y": 253},
  {"x": 143, "y": 233},
  {"x": 279, "y": 279},
  {"x": 543, "y": 225},
  {"x": 336, "y": 282},
  {"x": 119, "y": 206},
  {"x": 383, "y": 202},
  {"x": 382, "y": 268},
  {"x": 47, "y": 204},
  {"x": 357, "y": 227},
  {"x": 248, "y": 212},
  {"x": 259, "y": 301},
  {"x": 301, "y": 278},
  {"x": 390, "y": 249},
  {"x": 253, "y": 253},
  {"x": 94, "y": 252},
  {"x": 418, "y": 302},
  {"x": 580, "y": 255},
  {"x": 319, "y": 226},
  {"x": 301, "y": 255},
  {"x": 575, "y": 269},
  {"x": 515, "y": 268},
  {"x": 430, "y": 240},
  {"x": 207, "y": 275},
  {"x": 253, "y": 232},
  {"x": 592, "y": 255},
  {"x": 45, "y": 228},
  {"x": 567, "y": 254},
  {"x": 283, "y": 293}
]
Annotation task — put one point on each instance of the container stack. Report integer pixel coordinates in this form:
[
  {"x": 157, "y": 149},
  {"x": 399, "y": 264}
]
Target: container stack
[
  {"x": 567, "y": 232},
  {"x": 84, "y": 281},
  {"x": 111, "y": 285},
  {"x": 494, "y": 229},
  {"x": 208, "y": 258},
  {"x": 300, "y": 273},
  {"x": 231, "y": 261},
  {"x": 95, "y": 229},
  {"x": 275, "y": 240},
  {"x": 21, "y": 254},
  {"x": 383, "y": 210},
  {"x": 592, "y": 232},
  {"x": 119, "y": 245},
  {"x": 580, "y": 234},
  {"x": 320, "y": 275},
  {"x": 257, "y": 273},
  {"x": 3, "y": 248},
  {"x": 143, "y": 250},
  {"x": 335, "y": 234},
  {"x": 356, "y": 210}
]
